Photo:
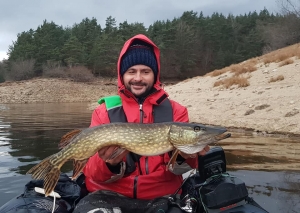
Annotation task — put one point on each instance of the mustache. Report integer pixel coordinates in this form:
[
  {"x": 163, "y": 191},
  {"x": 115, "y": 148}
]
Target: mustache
[{"x": 137, "y": 83}]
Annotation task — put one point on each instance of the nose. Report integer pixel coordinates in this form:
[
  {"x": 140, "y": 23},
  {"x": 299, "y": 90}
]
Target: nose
[{"x": 138, "y": 76}]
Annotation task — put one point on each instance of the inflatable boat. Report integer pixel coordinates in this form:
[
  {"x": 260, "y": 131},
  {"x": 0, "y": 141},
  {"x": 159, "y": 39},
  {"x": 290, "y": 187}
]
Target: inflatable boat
[{"x": 211, "y": 189}]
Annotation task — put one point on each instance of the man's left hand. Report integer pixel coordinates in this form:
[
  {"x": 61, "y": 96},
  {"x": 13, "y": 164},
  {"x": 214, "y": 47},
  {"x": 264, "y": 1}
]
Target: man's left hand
[{"x": 201, "y": 153}]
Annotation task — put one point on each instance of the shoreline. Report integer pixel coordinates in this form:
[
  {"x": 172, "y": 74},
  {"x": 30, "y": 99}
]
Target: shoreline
[{"x": 261, "y": 107}]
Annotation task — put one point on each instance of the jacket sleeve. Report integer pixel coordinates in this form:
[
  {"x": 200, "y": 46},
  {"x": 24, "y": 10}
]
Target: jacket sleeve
[
  {"x": 96, "y": 169},
  {"x": 99, "y": 116},
  {"x": 180, "y": 114}
]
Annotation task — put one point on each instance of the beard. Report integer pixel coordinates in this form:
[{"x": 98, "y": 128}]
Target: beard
[{"x": 146, "y": 90}]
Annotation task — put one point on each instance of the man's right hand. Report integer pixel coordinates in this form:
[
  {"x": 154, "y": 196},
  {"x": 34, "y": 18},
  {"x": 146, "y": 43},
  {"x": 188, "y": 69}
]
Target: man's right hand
[{"x": 107, "y": 154}]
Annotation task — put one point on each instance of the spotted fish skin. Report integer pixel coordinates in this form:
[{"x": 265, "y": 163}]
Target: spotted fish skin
[{"x": 143, "y": 139}]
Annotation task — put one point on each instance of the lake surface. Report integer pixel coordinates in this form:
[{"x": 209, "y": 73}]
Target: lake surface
[{"x": 269, "y": 165}]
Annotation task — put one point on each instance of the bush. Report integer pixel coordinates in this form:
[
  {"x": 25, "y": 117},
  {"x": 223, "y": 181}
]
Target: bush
[
  {"x": 80, "y": 74},
  {"x": 54, "y": 70},
  {"x": 21, "y": 70},
  {"x": 2, "y": 72}
]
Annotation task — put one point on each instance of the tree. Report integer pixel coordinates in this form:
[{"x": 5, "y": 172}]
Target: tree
[
  {"x": 110, "y": 25},
  {"x": 23, "y": 47},
  {"x": 49, "y": 39},
  {"x": 73, "y": 52},
  {"x": 281, "y": 32},
  {"x": 105, "y": 55},
  {"x": 126, "y": 30},
  {"x": 3, "y": 68},
  {"x": 87, "y": 32},
  {"x": 289, "y": 7}
]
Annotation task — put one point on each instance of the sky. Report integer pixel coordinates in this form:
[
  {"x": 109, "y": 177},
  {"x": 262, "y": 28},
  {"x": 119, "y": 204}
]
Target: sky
[{"x": 17, "y": 16}]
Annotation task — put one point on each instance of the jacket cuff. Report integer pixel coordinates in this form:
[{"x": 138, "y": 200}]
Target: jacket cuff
[
  {"x": 180, "y": 159},
  {"x": 114, "y": 168},
  {"x": 119, "y": 175}
]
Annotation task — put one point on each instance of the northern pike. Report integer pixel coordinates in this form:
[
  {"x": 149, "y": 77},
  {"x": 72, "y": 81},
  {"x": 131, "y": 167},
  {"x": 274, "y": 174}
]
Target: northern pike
[{"x": 142, "y": 139}]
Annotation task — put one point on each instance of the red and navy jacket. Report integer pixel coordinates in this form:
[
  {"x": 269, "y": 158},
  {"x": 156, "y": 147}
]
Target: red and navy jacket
[{"x": 149, "y": 179}]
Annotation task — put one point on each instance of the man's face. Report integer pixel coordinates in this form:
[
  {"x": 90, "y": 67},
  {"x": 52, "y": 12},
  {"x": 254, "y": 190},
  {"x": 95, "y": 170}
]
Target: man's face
[{"x": 139, "y": 80}]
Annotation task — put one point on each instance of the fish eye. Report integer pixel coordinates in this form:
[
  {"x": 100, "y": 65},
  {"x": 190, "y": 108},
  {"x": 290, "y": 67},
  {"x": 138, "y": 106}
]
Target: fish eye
[{"x": 197, "y": 128}]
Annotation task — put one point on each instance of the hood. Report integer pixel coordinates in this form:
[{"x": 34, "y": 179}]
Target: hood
[{"x": 124, "y": 50}]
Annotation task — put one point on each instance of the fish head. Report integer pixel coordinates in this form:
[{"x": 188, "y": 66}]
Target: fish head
[{"x": 191, "y": 138}]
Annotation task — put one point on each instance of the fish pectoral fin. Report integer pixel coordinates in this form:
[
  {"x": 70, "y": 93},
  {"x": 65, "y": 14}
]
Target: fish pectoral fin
[
  {"x": 78, "y": 165},
  {"x": 67, "y": 138},
  {"x": 173, "y": 158}
]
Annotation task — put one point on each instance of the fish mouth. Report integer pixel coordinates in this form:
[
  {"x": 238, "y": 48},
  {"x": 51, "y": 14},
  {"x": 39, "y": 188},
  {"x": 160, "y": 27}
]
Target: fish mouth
[
  {"x": 211, "y": 134},
  {"x": 212, "y": 130}
]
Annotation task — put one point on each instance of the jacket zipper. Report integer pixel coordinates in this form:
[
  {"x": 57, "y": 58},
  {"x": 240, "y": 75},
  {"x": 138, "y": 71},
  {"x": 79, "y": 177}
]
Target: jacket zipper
[
  {"x": 141, "y": 113},
  {"x": 135, "y": 187},
  {"x": 138, "y": 163},
  {"x": 146, "y": 166},
  {"x": 141, "y": 121},
  {"x": 146, "y": 160}
]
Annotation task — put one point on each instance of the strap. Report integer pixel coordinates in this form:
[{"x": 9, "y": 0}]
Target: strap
[
  {"x": 111, "y": 101},
  {"x": 117, "y": 114},
  {"x": 163, "y": 112},
  {"x": 114, "y": 108}
]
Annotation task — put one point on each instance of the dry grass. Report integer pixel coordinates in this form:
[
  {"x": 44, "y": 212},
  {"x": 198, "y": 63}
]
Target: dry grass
[
  {"x": 217, "y": 72},
  {"x": 236, "y": 69},
  {"x": 281, "y": 55},
  {"x": 278, "y": 78},
  {"x": 240, "y": 81},
  {"x": 286, "y": 62}
]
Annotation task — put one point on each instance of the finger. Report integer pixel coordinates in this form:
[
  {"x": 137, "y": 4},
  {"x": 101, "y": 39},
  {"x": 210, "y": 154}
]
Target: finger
[
  {"x": 186, "y": 156},
  {"x": 102, "y": 151},
  {"x": 193, "y": 155},
  {"x": 106, "y": 152},
  {"x": 207, "y": 148},
  {"x": 116, "y": 153},
  {"x": 117, "y": 159},
  {"x": 204, "y": 150}
]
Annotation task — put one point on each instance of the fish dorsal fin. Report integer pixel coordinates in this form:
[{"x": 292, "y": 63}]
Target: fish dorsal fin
[
  {"x": 78, "y": 165},
  {"x": 67, "y": 138}
]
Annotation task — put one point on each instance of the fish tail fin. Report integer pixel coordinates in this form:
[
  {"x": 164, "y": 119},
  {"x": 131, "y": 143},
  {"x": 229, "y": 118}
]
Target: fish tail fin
[
  {"x": 67, "y": 138},
  {"x": 48, "y": 172}
]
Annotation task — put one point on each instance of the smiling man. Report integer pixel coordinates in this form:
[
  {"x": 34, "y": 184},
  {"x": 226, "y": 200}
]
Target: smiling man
[
  {"x": 139, "y": 80},
  {"x": 141, "y": 100}
]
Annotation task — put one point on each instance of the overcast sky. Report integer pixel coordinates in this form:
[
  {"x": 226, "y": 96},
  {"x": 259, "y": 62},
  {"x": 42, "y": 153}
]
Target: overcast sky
[{"x": 17, "y": 16}]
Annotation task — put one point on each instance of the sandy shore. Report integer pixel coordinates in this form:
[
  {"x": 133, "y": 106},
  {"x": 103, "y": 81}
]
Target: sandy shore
[{"x": 262, "y": 106}]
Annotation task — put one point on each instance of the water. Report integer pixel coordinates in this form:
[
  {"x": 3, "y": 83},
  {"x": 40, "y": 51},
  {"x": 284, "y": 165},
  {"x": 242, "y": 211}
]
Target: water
[{"x": 30, "y": 132}]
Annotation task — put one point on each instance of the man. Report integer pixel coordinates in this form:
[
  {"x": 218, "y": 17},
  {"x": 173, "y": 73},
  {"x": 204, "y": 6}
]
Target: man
[{"x": 142, "y": 101}]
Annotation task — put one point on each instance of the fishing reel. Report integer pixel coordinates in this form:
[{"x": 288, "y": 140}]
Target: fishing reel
[{"x": 211, "y": 189}]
